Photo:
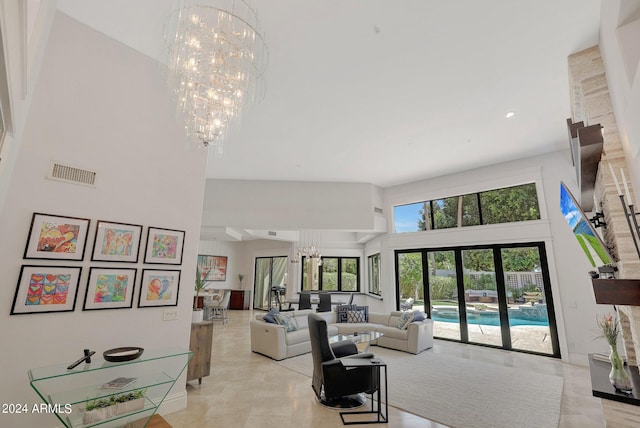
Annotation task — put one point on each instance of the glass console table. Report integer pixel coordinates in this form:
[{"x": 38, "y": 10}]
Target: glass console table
[{"x": 68, "y": 393}]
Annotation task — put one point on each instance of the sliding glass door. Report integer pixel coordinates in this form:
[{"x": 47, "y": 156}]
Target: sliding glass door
[
  {"x": 527, "y": 299},
  {"x": 443, "y": 293},
  {"x": 494, "y": 295},
  {"x": 270, "y": 272}
]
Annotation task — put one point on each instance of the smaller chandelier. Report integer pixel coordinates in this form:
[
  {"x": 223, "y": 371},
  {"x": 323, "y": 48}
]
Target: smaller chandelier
[
  {"x": 217, "y": 59},
  {"x": 309, "y": 252}
]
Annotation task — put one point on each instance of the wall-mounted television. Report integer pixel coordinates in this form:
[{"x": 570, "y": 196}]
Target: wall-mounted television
[{"x": 585, "y": 233}]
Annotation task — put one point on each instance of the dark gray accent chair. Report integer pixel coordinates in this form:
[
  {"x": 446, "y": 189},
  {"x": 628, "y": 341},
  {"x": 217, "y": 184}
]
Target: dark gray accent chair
[
  {"x": 304, "y": 300},
  {"x": 324, "y": 305},
  {"x": 331, "y": 380}
]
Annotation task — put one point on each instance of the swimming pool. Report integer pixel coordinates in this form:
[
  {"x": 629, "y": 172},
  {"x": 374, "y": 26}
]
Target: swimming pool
[{"x": 516, "y": 317}]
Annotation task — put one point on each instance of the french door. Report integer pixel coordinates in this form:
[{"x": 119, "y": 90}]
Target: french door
[
  {"x": 270, "y": 272},
  {"x": 493, "y": 295}
]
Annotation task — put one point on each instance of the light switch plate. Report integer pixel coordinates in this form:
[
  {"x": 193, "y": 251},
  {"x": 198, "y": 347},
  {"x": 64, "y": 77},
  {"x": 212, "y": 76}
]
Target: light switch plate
[{"x": 170, "y": 314}]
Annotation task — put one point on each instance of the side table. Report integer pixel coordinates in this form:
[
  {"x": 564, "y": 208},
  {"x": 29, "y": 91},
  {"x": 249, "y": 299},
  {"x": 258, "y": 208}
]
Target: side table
[{"x": 375, "y": 364}]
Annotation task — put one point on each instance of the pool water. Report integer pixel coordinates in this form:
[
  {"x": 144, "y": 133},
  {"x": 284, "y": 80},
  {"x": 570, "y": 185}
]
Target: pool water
[{"x": 489, "y": 318}]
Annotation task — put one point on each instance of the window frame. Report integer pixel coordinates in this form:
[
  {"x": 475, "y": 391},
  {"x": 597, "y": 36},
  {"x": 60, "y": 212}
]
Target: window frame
[
  {"x": 430, "y": 222},
  {"x": 373, "y": 285},
  {"x": 339, "y": 274}
]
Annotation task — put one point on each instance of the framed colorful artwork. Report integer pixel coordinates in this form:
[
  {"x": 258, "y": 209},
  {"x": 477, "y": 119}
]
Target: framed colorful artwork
[
  {"x": 110, "y": 288},
  {"x": 43, "y": 289},
  {"x": 164, "y": 246},
  {"x": 159, "y": 287},
  {"x": 117, "y": 242},
  {"x": 215, "y": 266},
  {"x": 53, "y": 237}
]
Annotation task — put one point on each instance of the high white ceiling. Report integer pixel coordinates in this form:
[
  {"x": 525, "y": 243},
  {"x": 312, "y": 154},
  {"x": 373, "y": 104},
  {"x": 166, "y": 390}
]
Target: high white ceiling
[{"x": 389, "y": 92}]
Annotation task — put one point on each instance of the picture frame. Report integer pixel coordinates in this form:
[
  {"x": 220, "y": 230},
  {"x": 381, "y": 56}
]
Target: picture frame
[
  {"x": 45, "y": 289},
  {"x": 215, "y": 265},
  {"x": 116, "y": 242},
  {"x": 164, "y": 246},
  {"x": 110, "y": 288},
  {"x": 54, "y": 237},
  {"x": 159, "y": 287}
]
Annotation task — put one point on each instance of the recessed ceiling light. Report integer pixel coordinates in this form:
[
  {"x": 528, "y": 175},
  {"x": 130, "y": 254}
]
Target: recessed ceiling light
[{"x": 509, "y": 115}]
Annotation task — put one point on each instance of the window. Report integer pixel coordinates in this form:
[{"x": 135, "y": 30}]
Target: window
[
  {"x": 269, "y": 272},
  {"x": 519, "y": 203},
  {"x": 412, "y": 217},
  {"x": 373, "y": 265},
  {"x": 335, "y": 274},
  {"x": 510, "y": 204},
  {"x": 479, "y": 294},
  {"x": 445, "y": 213}
]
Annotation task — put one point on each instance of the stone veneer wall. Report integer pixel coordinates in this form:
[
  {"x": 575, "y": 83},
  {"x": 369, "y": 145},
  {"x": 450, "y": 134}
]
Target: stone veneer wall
[{"x": 592, "y": 104}]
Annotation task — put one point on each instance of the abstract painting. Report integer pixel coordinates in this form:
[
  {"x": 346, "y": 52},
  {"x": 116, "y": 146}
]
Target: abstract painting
[
  {"x": 164, "y": 246},
  {"x": 56, "y": 237},
  {"x": 46, "y": 289},
  {"x": 215, "y": 266},
  {"x": 117, "y": 242},
  {"x": 110, "y": 288},
  {"x": 159, "y": 288}
]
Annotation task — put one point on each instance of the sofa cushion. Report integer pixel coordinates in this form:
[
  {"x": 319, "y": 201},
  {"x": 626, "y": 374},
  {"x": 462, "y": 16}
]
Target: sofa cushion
[
  {"x": 269, "y": 316},
  {"x": 405, "y": 320},
  {"x": 341, "y": 312},
  {"x": 393, "y": 333},
  {"x": 289, "y": 323},
  {"x": 418, "y": 316},
  {"x": 298, "y": 336},
  {"x": 355, "y": 316}
]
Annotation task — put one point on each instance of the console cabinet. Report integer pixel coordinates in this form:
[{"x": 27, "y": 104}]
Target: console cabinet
[
  {"x": 200, "y": 344},
  {"x": 68, "y": 392},
  {"x": 239, "y": 299}
]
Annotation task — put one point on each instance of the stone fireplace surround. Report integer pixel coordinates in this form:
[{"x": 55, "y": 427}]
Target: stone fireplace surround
[{"x": 591, "y": 103}]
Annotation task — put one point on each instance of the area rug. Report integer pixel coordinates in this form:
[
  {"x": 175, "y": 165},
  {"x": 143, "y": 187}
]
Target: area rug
[{"x": 464, "y": 393}]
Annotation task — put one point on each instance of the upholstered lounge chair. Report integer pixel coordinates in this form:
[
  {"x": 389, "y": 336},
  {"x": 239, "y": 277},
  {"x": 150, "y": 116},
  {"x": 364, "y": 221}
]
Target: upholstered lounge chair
[{"x": 332, "y": 382}]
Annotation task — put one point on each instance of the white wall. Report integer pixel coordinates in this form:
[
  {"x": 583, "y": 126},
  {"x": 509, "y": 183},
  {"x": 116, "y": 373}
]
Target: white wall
[
  {"x": 573, "y": 296},
  {"x": 289, "y": 205},
  {"x": 102, "y": 106},
  {"x": 619, "y": 35}
]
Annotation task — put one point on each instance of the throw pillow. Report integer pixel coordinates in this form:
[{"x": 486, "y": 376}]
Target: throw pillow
[
  {"x": 364, "y": 309},
  {"x": 269, "y": 316},
  {"x": 341, "y": 312},
  {"x": 355, "y": 316},
  {"x": 418, "y": 316},
  {"x": 289, "y": 323},
  {"x": 405, "y": 320}
]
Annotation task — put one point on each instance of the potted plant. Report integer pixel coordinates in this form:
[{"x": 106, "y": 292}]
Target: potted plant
[
  {"x": 114, "y": 405},
  {"x": 240, "y": 278},
  {"x": 200, "y": 285}
]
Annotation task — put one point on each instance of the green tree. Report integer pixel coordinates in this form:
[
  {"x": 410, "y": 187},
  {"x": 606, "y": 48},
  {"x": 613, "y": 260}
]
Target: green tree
[
  {"x": 424, "y": 221},
  {"x": 442, "y": 288},
  {"x": 410, "y": 275},
  {"x": 510, "y": 204},
  {"x": 520, "y": 259},
  {"x": 478, "y": 260}
]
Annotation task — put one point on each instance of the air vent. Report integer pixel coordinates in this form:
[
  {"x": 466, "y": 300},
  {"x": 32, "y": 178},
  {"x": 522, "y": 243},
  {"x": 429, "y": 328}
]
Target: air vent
[
  {"x": 272, "y": 233},
  {"x": 70, "y": 174},
  {"x": 377, "y": 210}
]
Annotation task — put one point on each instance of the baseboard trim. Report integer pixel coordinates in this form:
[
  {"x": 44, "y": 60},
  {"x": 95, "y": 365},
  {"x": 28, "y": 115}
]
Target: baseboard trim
[{"x": 173, "y": 403}]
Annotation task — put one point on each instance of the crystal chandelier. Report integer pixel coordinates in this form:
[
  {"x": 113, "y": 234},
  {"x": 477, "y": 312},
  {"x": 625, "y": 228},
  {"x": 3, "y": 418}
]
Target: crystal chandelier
[
  {"x": 309, "y": 252},
  {"x": 217, "y": 59}
]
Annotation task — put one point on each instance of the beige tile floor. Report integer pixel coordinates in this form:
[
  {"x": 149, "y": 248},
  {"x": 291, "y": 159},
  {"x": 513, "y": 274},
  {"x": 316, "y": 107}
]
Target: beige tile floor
[{"x": 249, "y": 390}]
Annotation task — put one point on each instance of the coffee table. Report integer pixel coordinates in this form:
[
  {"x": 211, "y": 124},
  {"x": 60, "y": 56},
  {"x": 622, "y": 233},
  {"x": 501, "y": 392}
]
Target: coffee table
[{"x": 361, "y": 339}]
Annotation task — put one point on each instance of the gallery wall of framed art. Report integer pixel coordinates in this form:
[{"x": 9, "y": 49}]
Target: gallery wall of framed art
[{"x": 114, "y": 277}]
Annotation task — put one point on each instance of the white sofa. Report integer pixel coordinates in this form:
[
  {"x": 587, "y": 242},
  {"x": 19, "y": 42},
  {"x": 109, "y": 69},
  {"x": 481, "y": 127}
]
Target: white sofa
[{"x": 273, "y": 340}]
